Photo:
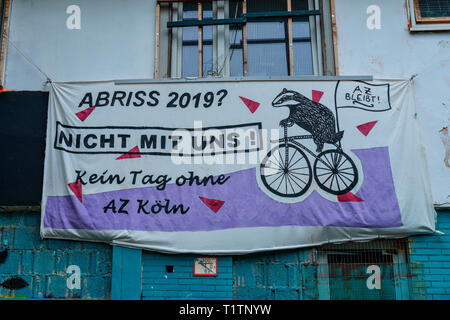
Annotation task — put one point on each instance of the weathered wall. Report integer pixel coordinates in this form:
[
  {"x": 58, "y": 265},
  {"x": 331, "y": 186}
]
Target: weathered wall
[
  {"x": 394, "y": 52},
  {"x": 430, "y": 262},
  {"x": 42, "y": 264},
  {"x": 115, "y": 41},
  {"x": 157, "y": 283}
]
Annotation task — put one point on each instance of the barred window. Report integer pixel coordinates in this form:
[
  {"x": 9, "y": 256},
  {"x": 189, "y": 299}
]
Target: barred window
[{"x": 241, "y": 38}]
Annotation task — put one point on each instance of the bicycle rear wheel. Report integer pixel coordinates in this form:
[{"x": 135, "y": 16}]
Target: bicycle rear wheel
[
  {"x": 290, "y": 178},
  {"x": 335, "y": 172}
]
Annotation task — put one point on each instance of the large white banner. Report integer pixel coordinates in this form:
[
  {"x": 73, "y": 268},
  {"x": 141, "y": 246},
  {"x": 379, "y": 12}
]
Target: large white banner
[{"x": 234, "y": 166}]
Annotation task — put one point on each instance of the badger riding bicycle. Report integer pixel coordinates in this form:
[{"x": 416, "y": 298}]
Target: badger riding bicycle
[{"x": 286, "y": 170}]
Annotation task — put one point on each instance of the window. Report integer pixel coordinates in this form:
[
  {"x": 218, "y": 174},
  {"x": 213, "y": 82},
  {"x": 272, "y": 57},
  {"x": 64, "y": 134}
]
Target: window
[
  {"x": 243, "y": 38},
  {"x": 344, "y": 270},
  {"x": 429, "y": 15}
]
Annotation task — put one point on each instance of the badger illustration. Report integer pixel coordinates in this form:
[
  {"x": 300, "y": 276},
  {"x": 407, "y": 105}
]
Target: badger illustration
[{"x": 309, "y": 115}]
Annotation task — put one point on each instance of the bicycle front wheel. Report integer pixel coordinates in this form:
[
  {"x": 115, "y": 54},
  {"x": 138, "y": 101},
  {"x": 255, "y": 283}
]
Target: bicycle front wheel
[{"x": 290, "y": 178}]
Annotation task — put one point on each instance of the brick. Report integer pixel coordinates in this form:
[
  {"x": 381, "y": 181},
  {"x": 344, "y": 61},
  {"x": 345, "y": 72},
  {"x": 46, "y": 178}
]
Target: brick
[
  {"x": 178, "y": 268},
  {"x": 39, "y": 286},
  {"x": 44, "y": 262},
  {"x": 180, "y": 275},
  {"x": 26, "y": 238},
  {"x": 164, "y": 294},
  {"x": 153, "y": 275},
  {"x": 32, "y": 219},
  {"x": 428, "y": 251},
  {"x": 160, "y": 281},
  {"x": 441, "y": 271},
  {"x": 55, "y": 244},
  {"x": 80, "y": 258},
  {"x": 61, "y": 262},
  {"x": 190, "y": 281},
  {"x": 57, "y": 287},
  {"x": 11, "y": 219},
  {"x": 217, "y": 281},
  {"x": 94, "y": 245},
  {"x": 225, "y": 261},
  {"x": 201, "y": 287},
  {"x": 435, "y": 277},
  {"x": 27, "y": 266},
  {"x": 440, "y": 284},
  {"x": 223, "y": 288},
  {"x": 7, "y": 237},
  {"x": 12, "y": 262},
  {"x": 96, "y": 287},
  {"x": 441, "y": 296},
  {"x": 440, "y": 258},
  {"x": 103, "y": 263},
  {"x": 421, "y": 284},
  {"x": 211, "y": 294},
  {"x": 417, "y": 257},
  {"x": 158, "y": 287},
  {"x": 438, "y": 290}
]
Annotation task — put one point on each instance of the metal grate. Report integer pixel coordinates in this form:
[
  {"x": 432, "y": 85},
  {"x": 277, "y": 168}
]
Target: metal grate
[
  {"x": 345, "y": 268},
  {"x": 434, "y": 8}
]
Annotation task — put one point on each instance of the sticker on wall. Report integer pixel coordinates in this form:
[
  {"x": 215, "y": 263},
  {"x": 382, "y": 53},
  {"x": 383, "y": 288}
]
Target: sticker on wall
[{"x": 205, "y": 266}]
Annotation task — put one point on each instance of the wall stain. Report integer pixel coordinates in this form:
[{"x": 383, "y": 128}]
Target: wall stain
[{"x": 446, "y": 142}]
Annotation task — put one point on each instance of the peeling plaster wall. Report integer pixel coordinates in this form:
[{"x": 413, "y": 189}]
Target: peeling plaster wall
[{"x": 394, "y": 52}]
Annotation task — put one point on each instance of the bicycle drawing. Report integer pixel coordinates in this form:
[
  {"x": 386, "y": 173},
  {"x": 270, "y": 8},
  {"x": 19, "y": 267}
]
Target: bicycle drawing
[{"x": 286, "y": 169}]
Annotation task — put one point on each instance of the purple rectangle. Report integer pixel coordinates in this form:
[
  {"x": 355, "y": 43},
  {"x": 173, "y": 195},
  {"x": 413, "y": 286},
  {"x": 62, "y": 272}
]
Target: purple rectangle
[{"x": 245, "y": 205}]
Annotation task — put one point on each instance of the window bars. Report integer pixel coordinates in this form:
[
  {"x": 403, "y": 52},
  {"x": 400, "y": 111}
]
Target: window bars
[
  {"x": 352, "y": 264},
  {"x": 240, "y": 21}
]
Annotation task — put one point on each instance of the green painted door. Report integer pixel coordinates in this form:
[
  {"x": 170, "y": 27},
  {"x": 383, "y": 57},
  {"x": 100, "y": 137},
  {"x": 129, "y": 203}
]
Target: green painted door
[{"x": 268, "y": 276}]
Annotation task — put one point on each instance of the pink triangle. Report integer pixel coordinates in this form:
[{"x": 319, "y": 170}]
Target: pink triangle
[
  {"x": 251, "y": 105},
  {"x": 213, "y": 204},
  {"x": 76, "y": 188},
  {"x": 348, "y": 197},
  {"x": 366, "y": 127},
  {"x": 130, "y": 156},
  {"x": 317, "y": 95},
  {"x": 82, "y": 115}
]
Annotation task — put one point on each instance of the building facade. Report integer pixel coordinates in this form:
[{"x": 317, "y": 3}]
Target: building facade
[{"x": 46, "y": 40}]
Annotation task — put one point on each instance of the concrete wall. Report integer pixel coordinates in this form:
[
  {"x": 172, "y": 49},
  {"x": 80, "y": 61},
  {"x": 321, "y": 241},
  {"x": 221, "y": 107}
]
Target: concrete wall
[
  {"x": 42, "y": 264},
  {"x": 115, "y": 41},
  {"x": 394, "y": 52}
]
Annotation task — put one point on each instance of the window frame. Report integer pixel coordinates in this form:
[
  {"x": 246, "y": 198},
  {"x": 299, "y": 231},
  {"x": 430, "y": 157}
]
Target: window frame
[
  {"x": 418, "y": 23},
  {"x": 4, "y": 8},
  {"x": 171, "y": 66}
]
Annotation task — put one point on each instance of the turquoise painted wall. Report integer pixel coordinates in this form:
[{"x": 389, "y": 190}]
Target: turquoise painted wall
[
  {"x": 42, "y": 264},
  {"x": 157, "y": 283},
  {"x": 430, "y": 262}
]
